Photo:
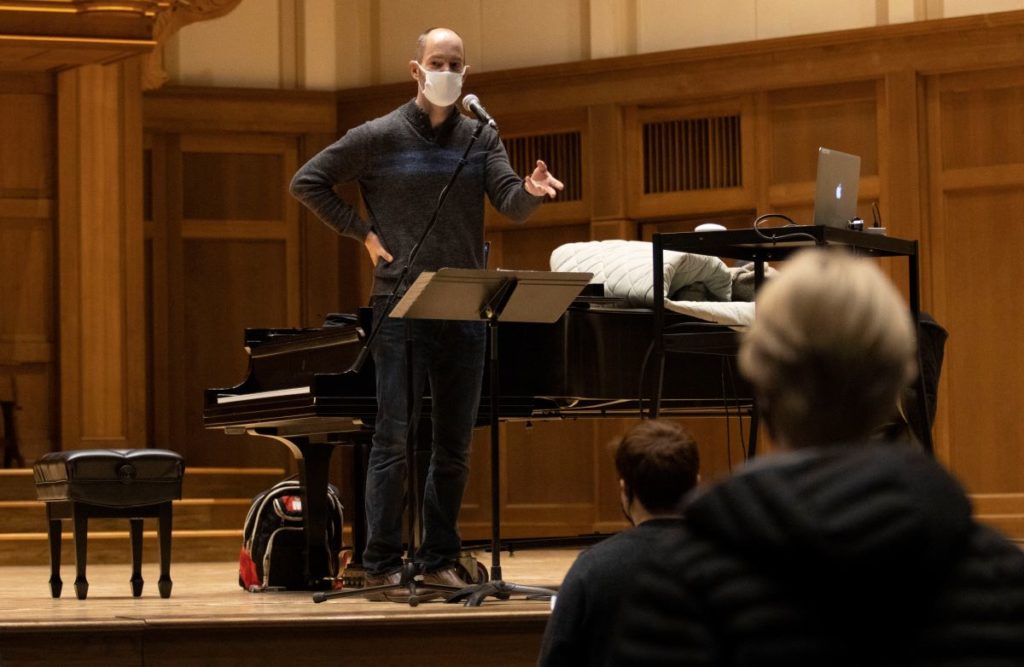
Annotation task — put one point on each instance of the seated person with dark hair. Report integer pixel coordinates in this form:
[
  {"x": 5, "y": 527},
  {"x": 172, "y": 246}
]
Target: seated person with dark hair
[
  {"x": 833, "y": 551},
  {"x": 657, "y": 463}
]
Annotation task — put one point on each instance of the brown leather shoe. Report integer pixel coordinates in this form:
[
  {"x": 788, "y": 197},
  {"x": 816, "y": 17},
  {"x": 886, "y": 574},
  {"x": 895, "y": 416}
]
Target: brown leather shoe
[
  {"x": 447, "y": 576},
  {"x": 392, "y": 595}
]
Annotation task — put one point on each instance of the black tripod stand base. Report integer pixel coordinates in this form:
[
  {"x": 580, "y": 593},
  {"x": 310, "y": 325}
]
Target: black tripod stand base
[
  {"x": 414, "y": 593},
  {"x": 473, "y": 596}
]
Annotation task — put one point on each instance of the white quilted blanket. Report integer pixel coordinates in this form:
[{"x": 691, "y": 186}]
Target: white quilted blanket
[{"x": 695, "y": 285}]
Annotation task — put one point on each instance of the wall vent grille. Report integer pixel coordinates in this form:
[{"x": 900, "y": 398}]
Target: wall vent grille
[
  {"x": 560, "y": 152},
  {"x": 692, "y": 154}
]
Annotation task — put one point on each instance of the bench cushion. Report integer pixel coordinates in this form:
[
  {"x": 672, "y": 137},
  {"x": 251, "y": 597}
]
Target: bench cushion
[{"x": 110, "y": 477}]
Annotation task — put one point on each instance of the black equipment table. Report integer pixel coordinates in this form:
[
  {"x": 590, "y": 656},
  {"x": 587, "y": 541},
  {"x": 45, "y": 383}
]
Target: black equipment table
[{"x": 774, "y": 244}]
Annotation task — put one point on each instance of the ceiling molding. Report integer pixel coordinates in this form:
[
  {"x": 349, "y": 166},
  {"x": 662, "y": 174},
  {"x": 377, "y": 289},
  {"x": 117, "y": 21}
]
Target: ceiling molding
[{"x": 54, "y": 35}]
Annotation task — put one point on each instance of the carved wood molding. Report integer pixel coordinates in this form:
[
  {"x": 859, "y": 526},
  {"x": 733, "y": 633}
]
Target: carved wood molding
[
  {"x": 178, "y": 14},
  {"x": 54, "y": 35},
  {"x": 138, "y": 7}
]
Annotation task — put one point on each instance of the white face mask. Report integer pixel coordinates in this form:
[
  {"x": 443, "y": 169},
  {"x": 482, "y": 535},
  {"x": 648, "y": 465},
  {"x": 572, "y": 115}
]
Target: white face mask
[{"x": 441, "y": 88}]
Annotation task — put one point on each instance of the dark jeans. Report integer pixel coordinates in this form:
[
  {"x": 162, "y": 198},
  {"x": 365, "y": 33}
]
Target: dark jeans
[{"x": 450, "y": 356}]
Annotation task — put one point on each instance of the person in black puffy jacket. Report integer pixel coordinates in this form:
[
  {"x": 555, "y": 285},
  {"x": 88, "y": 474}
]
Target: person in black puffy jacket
[{"x": 834, "y": 550}]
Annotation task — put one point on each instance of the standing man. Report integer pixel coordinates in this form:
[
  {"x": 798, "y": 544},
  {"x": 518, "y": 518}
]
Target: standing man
[{"x": 401, "y": 162}]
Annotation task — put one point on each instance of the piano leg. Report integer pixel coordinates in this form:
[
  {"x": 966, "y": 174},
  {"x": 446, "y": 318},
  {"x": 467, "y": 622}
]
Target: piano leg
[{"x": 314, "y": 472}]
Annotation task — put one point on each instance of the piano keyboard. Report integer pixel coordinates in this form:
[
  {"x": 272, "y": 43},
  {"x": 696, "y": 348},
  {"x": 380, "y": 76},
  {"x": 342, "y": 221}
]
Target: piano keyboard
[{"x": 290, "y": 391}]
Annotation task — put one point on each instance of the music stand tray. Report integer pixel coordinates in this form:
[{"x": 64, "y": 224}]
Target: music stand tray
[
  {"x": 492, "y": 296},
  {"x": 464, "y": 294}
]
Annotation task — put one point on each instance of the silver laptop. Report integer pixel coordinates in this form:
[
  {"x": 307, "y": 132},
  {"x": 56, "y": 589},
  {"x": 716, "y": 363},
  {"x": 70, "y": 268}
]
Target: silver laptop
[{"x": 835, "y": 199}]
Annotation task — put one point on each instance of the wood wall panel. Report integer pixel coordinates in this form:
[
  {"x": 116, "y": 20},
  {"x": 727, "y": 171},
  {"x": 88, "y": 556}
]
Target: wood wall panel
[
  {"x": 26, "y": 298},
  {"x": 558, "y": 478},
  {"x": 101, "y": 249},
  {"x": 232, "y": 186},
  {"x": 228, "y": 285},
  {"x": 564, "y": 478},
  {"x": 184, "y": 109},
  {"x": 329, "y": 262},
  {"x": 976, "y": 200},
  {"x": 28, "y": 238},
  {"x": 35, "y": 386},
  {"x": 981, "y": 123},
  {"x": 530, "y": 247},
  {"x": 229, "y": 249},
  {"x": 933, "y": 109},
  {"x": 234, "y": 267},
  {"x": 902, "y": 195},
  {"x": 841, "y": 117},
  {"x": 985, "y": 395},
  {"x": 28, "y": 354},
  {"x": 162, "y": 233},
  {"x": 27, "y": 144},
  {"x": 547, "y": 480}
]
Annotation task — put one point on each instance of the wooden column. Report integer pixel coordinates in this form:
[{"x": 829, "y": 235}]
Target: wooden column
[
  {"x": 608, "y": 175},
  {"x": 100, "y": 246}
]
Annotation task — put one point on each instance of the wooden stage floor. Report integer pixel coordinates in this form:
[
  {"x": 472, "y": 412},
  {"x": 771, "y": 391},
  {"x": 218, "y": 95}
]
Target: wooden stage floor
[{"x": 209, "y": 620}]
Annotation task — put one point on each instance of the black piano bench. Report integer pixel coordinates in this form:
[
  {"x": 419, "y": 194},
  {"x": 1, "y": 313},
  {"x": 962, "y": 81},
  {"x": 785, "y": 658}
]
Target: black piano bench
[{"x": 109, "y": 483}]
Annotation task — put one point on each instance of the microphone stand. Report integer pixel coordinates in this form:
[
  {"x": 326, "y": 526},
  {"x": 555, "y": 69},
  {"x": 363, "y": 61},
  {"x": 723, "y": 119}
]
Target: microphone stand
[{"x": 418, "y": 592}]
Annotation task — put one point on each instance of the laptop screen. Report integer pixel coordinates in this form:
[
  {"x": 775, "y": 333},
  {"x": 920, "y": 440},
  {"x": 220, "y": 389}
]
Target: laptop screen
[{"x": 835, "y": 197}]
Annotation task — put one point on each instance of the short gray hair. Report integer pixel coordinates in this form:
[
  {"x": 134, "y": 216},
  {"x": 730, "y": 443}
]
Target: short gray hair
[{"x": 831, "y": 347}]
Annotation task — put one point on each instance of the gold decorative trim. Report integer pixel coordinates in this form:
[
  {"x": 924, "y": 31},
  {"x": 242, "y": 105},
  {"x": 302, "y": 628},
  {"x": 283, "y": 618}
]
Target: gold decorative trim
[
  {"x": 89, "y": 41},
  {"x": 147, "y": 8}
]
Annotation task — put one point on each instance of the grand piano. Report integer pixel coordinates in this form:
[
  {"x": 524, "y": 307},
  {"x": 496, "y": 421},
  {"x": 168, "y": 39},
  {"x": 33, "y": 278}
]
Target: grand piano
[{"x": 595, "y": 361}]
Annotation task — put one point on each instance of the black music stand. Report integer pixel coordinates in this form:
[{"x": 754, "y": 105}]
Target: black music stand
[{"x": 492, "y": 296}]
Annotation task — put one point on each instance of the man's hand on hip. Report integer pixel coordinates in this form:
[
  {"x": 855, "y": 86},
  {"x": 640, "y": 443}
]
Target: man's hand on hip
[{"x": 376, "y": 249}]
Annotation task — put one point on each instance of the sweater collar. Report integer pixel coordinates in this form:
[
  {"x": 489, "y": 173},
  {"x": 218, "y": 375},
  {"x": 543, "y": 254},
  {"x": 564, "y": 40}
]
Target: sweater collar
[{"x": 420, "y": 120}]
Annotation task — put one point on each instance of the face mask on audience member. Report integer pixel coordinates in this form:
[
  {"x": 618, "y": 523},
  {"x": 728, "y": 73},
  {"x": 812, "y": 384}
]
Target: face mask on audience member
[{"x": 441, "y": 88}]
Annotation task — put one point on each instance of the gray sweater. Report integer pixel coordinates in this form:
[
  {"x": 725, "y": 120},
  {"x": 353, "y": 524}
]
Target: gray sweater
[{"x": 401, "y": 164}]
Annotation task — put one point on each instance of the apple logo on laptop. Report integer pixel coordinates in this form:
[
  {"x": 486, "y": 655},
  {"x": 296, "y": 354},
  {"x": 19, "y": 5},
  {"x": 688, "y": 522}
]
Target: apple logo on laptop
[{"x": 839, "y": 191}]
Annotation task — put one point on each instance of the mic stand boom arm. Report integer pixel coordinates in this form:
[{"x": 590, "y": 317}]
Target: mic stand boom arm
[{"x": 364, "y": 353}]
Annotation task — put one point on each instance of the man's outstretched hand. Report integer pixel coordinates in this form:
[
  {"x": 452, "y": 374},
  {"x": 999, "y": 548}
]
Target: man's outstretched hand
[{"x": 541, "y": 182}]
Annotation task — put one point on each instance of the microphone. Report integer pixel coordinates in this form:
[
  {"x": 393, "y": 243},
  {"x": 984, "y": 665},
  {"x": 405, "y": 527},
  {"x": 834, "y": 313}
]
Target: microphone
[{"x": 471, "y": 103}]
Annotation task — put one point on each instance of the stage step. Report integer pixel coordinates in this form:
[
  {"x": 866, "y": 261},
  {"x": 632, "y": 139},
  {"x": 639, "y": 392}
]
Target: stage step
[
  {"x": 228, "y": 482},
  {"x": 17, "y": 483},
  {"x": 207, "y": 520},
  {"x": 26, "y": 516},
  {"x": 191, "y": 546}
]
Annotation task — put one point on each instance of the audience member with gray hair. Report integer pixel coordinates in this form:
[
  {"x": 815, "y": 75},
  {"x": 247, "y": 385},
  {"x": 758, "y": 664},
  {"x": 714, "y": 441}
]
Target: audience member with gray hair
[{"x": 832, "y": 550}]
